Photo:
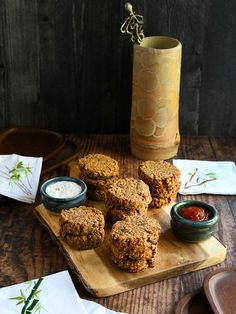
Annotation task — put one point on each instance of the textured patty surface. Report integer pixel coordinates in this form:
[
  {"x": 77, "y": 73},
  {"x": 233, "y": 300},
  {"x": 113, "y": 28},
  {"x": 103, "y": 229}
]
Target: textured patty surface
[
  {"x": 163, "y": 180},
  {"x": 116, "y": 214},
  {"x": 82, "y": 227},
  {"x": 133, "y": 242},
  {"x": 128, "y": 193},
  {"x": 152, "y": 172},
  {"x": 98, "y": 166}
]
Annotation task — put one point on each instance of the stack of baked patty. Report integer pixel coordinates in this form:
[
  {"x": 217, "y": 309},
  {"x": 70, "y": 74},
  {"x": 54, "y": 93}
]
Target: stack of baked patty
[
  {"x": 127, "y": 197},
  {"x": 98, "y": 171},
  {"x": 163, "y": 179},
  {"x": 82, "y": 227},
  {"x": 133, "y": 242}
]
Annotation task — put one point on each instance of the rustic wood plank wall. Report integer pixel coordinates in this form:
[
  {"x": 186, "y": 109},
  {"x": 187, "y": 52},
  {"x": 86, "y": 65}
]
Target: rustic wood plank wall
[{"x": 65, "y": 65}]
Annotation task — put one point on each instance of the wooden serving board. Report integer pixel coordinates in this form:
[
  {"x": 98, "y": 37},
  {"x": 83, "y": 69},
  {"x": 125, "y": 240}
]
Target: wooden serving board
[{"x": 101, "y": 277}]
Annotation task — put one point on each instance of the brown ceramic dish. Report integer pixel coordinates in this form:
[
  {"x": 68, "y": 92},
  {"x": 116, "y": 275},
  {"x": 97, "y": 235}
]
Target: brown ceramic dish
[
  {"x": 194, "y": 303},
  {"x": 33, "y": 142},
  {"x": 220, "y": 289}
]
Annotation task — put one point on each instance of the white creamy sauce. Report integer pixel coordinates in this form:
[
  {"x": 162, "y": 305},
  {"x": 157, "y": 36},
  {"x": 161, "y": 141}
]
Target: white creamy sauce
[{"x": 63, "y": 189}]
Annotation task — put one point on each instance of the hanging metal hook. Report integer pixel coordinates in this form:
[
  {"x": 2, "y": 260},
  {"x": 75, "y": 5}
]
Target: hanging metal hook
[{"x": 133, "y": 25}]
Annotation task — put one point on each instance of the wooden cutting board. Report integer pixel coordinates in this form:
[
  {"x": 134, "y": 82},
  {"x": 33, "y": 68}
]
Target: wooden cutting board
[{"x": 101, "y": 277}]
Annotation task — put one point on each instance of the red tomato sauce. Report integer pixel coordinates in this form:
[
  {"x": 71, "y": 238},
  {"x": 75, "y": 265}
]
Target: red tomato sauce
[{"x": 194, "y": 213}]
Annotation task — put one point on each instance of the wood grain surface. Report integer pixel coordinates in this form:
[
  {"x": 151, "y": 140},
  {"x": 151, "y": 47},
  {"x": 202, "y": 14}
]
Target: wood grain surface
[
  {"x": 27, "y": 250},
  {"x": 60, "y": 56}
]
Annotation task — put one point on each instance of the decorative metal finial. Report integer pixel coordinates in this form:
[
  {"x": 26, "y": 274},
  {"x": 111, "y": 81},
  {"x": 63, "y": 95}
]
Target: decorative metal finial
[{"x": 133, "y": 25}]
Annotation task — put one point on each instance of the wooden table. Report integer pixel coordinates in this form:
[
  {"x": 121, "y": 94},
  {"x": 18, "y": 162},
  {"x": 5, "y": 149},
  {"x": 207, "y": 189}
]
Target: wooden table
[{"x": 27, "y": 250}]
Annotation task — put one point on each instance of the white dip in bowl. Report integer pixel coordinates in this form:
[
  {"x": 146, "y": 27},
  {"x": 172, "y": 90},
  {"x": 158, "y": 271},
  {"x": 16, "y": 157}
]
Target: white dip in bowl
[{"x": 63, "y": 189}]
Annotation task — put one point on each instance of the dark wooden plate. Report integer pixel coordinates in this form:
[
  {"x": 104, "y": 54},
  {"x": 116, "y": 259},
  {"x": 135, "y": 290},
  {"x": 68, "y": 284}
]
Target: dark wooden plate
[
  {"x": 33, "y": 142},
  {"x": 52, "y": 146},
  {"x": 65, "y": 155},
  {"x": 194, "y": 303},
  {"x": 220, "y": 289}
]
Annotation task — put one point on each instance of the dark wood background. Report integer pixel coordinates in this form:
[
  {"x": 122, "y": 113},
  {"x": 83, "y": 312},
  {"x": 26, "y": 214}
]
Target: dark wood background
[{"x": 65, "y": 65}]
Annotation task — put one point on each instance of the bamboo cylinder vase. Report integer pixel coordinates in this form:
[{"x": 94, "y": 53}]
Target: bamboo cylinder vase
[{"x": 154, "y": 129}]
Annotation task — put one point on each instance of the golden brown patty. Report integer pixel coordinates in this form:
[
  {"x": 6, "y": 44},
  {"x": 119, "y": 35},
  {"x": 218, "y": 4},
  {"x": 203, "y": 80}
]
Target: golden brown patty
[
  {"x": 133, "y": 242},
  {"x": 83, "y": 242},
  {"x": 116, "y": 214},
  {"x": 160, "y": 202},
  {"x": 98, "y": 166},
  {"x": 163, "y": 180},
  {"x": 154, "y": 172},
  {"x": 99, "y": 183},
  {"x": 128, "y": 193},
  {"x": 82, "y": 227},
  {"x": 97, "y": 194}
]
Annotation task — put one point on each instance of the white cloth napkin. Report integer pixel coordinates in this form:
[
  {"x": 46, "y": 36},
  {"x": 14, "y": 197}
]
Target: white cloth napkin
[
  {"x": 209, "y": 177},
  {"x": 19, "y": 177},
  {"x": 56, "y": 294}
]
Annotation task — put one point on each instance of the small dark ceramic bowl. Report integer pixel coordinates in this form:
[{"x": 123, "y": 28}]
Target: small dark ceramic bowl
[
  {"x": 193, "y": 231},
  {"x": 55, "y": 204}
]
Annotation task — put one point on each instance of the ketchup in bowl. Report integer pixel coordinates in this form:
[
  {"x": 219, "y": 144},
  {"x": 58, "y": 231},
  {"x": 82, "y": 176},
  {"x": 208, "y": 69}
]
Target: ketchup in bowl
[
  {"x": 193, "y": 220},
  {"x": 194, "y": 213}
]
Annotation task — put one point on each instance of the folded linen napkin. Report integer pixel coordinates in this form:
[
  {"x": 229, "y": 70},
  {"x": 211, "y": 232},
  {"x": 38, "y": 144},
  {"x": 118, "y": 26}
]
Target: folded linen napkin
[
  {"x": 53, "y": 294},
  {"x": 209, "y": 177},
  {"x": 19, "y": 177}
]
